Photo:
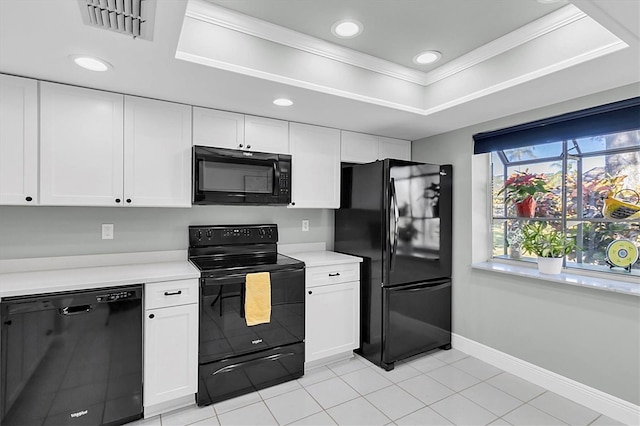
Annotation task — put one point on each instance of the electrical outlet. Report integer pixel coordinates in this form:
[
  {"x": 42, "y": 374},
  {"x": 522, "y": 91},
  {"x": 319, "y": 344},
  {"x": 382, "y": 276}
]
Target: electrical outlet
[
  {"x": 107, "y": 231},
  {"x": 305, "y": 225}
]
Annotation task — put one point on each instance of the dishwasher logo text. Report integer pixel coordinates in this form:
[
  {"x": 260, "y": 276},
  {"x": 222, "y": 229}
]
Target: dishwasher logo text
[
  {"x": 255, "y": 342},
  {"x": 79, "y": 414}
]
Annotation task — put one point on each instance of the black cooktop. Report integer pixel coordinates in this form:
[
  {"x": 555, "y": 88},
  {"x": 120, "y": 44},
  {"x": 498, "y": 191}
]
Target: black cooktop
[
  {"x": 213, "y": 263},
  {"x": 214, "y": 268}
]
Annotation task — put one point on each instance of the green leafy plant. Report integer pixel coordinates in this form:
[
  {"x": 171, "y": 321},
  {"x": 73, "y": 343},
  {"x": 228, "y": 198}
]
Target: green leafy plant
[
  {"x": 521, "y": 185},
  {"x": 545, "y": 241}
]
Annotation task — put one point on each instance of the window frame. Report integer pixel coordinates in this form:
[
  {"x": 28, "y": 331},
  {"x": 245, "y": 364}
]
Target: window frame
[{"x": 565, "y": 156}]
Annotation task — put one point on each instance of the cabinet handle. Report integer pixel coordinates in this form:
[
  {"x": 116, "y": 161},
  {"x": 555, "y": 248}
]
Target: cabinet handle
[
  {"x": 151, "y": 316},
  {"x": 117, "y": 200},
  {"x": 175, "y": 293},
  {"x": 310, "y": 292},
  {"x": 293, "y": 203},
  {"x": 335, "y": 275},
  {"x": 128, "y": 200},
  {"x": 240, "y": 146},
  {"x": 29, "y": 199},
  {"x": 249, "y": 146}
]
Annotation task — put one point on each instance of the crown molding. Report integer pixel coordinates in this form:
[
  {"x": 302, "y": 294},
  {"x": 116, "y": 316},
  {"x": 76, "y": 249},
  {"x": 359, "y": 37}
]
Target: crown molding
[
  {"x": 587, "y": 56},
  {"x": 252, "y": 72},
  {"x": 217, "y": 15},
  {"x": 545, "y": 25}
]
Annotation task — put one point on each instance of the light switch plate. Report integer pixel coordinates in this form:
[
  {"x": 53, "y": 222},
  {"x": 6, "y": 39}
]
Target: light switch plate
[
  {"x": 305, "y": 225},
  {"x": 107, "y": 231}
]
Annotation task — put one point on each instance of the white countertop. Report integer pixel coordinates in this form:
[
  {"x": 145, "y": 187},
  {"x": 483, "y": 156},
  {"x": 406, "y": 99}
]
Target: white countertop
[
  {"x": 19, "y": 283},
  {"x": 323, "y": 258}
]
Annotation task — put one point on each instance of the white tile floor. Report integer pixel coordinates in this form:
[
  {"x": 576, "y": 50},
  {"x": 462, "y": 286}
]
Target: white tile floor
[{"x": 439, "y": 388}]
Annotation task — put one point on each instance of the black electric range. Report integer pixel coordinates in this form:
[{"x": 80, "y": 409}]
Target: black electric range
[{"x": 235, "y": 358}]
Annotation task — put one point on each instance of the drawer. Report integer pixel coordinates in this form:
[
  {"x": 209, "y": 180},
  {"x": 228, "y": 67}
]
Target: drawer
[
  {"x": 332, "y": 274},
  {"x": 170, "y": 293}
]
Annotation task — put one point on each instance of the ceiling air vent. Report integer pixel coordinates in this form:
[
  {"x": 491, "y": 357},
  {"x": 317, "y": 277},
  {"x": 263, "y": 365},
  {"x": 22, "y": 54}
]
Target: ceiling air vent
[{"x": 130, "y": 17}]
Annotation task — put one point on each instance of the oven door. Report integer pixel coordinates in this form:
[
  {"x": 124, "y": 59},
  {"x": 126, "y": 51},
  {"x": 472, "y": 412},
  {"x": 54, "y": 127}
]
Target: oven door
[
  {"x": 223, "y": 329},
  {"x": 226, "y": 176}
]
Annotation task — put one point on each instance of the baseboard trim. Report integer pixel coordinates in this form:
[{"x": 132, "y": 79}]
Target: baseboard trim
[
  {"x": 609, "y": 405},
  {"x": 165, "y": 407}
]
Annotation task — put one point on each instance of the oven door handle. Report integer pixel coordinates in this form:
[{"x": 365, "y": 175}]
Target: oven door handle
[
  {"x": 204, "y": 280},
  {"x": 274, "y": 357}
]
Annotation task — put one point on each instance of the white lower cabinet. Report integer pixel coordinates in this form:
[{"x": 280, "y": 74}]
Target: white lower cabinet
[
  {"x": 170, "y": 344},
  {"x": 332, "y": 318}
]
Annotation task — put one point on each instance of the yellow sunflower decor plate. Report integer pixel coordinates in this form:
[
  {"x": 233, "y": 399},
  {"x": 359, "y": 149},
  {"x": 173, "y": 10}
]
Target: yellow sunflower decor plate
[{"x": 622, "y": 253}]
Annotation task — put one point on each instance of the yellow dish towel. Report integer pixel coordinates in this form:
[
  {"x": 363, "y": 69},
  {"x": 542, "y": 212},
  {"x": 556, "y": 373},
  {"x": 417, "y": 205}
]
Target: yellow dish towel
[{"x": 257, "y": 302}]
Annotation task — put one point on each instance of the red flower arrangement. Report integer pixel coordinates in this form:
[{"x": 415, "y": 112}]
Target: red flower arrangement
[{"x": 520, "y": 189}]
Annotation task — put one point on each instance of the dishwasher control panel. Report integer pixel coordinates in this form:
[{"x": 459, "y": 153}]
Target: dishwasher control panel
[{"x": 113, "y": 296}]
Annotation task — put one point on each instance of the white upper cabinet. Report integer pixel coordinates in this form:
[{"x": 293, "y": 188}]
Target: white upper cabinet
[
  {"x": 18, "y": 140},
  {"x": 363, "y": 148},
  {"x": 315, "y": 174},
  {"x": 218, "y": 128},
  {"x": 394, "y": 148},
  {"x": 358, "y": 147},
  {"x": 266, "y": 135},
  {"x": 222, "y": 129},
  {"x": 157, "y": 153},
  {"x": 81, "y": 146}
]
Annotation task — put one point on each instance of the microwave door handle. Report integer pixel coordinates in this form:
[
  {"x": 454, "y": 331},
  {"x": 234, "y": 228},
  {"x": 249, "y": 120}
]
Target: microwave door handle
[{"x": 276, "y": 176}]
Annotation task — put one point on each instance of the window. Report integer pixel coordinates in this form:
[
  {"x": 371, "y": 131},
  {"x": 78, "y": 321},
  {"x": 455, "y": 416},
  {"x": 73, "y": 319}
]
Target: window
[{"x": 569, "y": 180}]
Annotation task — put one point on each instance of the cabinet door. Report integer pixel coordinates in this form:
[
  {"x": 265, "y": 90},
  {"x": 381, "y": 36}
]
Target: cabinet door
[
  {"x": 266, "y": 135},
  {"x": 218, "y": 128},
  {"x": 81, "y": 143},
  {"x": 332, "y": 323},
  {"x": 157, "y": 153},
  {"x": 18, "y": 140},
  {"x": 315, "y": 168},
  {"x": 394, "y": 148},
  {"x": 170, "y": 353},
  {"x": 358, "y": 147}
]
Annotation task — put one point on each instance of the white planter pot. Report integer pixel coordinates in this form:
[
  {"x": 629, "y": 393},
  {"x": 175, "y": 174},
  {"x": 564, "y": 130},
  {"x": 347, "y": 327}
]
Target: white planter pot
[{"x": 549, "y": 265}]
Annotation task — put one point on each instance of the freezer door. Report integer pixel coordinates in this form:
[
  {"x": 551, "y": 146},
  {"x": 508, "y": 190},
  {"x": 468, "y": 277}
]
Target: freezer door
[
  {"x": 418, "y": 223},
  {"x": 417, "y": 319}
]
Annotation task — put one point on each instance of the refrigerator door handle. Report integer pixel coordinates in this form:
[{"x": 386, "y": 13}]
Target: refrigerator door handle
[
  {"x": 421, "y": 287},
  {"x": 396, "y": 219}
]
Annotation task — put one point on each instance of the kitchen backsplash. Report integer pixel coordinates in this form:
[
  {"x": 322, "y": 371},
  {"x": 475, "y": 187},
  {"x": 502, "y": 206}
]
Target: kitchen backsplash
[{"x": 67, "y": 231}]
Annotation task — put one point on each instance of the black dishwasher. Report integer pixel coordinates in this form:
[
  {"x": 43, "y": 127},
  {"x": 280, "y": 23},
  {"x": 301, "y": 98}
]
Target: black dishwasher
[{"x": 72, "y": 358}]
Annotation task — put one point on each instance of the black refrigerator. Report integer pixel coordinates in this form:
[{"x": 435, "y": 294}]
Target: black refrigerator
[{"x": 396, "y": 215}]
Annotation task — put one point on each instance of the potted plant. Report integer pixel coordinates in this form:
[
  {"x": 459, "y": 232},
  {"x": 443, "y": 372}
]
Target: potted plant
[
  {"x": 548, "y": 244},
  {"x": 520, "y": 189}
]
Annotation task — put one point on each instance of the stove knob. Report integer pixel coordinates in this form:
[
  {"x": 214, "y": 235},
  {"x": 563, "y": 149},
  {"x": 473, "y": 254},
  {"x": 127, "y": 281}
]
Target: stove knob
[
  {"x": 199, "y": 235},
  {"x": 209, "y": 233}
]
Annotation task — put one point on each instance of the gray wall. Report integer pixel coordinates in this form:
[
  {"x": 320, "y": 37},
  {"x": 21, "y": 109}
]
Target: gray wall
[
  {"x": 587, "y": 335},
  {"x": 62, "y": 231}
]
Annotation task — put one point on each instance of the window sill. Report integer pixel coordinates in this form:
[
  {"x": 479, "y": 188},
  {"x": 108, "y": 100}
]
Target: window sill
[{"x": 605, "y": 284}]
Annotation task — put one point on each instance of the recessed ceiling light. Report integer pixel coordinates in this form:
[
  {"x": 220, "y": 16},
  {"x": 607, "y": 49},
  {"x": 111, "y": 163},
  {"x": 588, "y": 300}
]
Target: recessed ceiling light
[
  {"x": 346, "y": 28},
  {"x": 91, "y": 63},
  {"x": 428, "y": 57},
  {"x": 283, "y": 102}
]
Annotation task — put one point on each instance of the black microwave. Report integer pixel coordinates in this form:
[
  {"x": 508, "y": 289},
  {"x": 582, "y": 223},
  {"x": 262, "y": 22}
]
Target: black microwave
[{"x": 229, "y": 176}]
